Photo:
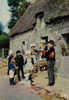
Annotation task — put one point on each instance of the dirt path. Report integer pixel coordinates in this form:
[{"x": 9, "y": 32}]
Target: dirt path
[{"x": 15, "y": 93}]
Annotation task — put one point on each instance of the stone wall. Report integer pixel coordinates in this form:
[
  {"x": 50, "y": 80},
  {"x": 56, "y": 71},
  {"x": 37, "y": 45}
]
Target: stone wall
[
  {"x": 3, "y": 67},
  {"x": 16, "y": 42},
  {"x": 53, "y": 31},
  {"x": 64, "y": 67}
]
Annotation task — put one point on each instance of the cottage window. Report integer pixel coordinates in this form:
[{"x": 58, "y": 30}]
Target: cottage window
[{"x": 40, "y": 15}]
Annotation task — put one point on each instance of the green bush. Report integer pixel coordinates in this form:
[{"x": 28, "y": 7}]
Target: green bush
[{"x": 4, "y": 40}]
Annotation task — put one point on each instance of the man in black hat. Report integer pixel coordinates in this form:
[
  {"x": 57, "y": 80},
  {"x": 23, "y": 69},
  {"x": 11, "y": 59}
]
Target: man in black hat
[
  {"x": 50, "y": 55},
  {"x": 19, "y": 63}
]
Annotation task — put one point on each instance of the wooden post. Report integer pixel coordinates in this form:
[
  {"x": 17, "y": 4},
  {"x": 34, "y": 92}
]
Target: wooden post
[{"x": 2, "y": 52}]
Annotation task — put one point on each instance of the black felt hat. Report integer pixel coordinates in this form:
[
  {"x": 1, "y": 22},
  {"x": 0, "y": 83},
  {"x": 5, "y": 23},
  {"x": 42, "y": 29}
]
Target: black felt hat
[
  {"x": 18, "y": 51},
  {"x": 51, "y": 42}
]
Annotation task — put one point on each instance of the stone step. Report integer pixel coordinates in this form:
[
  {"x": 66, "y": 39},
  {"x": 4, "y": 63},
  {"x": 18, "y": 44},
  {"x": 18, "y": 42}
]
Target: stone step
[
  {"x": 3, "y": 67},
  {"x": 64, "y": 69}
]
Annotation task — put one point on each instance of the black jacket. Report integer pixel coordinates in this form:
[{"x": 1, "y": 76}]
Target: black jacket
[
  {"x": 19, "y": 60},
  {"x": 48, "y": 53}
]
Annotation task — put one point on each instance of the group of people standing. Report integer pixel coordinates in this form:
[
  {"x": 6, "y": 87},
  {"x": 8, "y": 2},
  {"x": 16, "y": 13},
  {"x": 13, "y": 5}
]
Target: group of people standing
[
  {"x": 15, "y": 65},
  {"x": 45, "y": 52}
]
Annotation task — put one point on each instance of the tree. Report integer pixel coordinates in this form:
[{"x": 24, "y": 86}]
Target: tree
[
  {"x": 4, "y": 40},
  {"x": 22, "y": 8},
  {"x": 1, "y": 28},
  {"x": 17, "y": 8}
]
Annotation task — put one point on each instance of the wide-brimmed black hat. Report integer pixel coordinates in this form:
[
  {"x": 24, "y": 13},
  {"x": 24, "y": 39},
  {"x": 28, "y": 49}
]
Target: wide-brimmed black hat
[
  {"x": 51, "y": 42},
  {"x": 18, "y": 51}
]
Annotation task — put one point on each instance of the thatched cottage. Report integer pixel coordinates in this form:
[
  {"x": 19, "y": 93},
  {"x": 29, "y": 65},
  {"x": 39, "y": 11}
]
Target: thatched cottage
[{"x": 41, "y": 19}]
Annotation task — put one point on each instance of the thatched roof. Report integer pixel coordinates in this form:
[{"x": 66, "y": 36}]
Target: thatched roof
[{"x": 52, "y": 9}]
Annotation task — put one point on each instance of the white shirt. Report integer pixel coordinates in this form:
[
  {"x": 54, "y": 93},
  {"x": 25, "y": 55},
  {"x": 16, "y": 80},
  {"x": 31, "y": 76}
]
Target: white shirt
[{"x": 11, "y": 74}]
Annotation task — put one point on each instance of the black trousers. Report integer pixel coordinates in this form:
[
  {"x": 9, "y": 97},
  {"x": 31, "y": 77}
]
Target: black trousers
[
  {"x": 12, "y": 81},
  {"x": 51, "y": 76},
  {"x": 22, "y": 73}
]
